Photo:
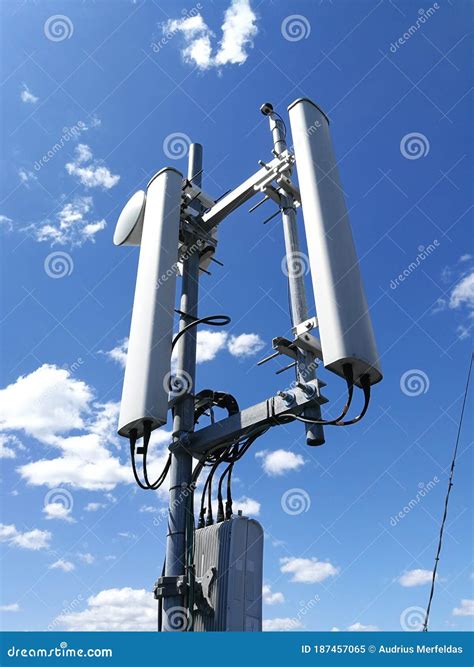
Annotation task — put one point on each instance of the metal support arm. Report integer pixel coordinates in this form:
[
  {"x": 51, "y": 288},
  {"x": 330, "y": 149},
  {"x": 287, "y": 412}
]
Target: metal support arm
[{"x": 256, "y": 418}]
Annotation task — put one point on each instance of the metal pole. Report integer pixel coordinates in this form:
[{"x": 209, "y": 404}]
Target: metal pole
[
  {"x": 183, "y": 424},
  {"x": 296, "y": 269}
]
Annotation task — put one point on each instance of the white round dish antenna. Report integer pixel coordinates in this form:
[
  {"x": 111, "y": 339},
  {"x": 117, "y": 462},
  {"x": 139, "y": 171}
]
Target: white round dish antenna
[{"x": 130, "y": 223}]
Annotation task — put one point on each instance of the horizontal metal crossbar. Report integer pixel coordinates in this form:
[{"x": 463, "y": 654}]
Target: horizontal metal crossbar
[{"x": 255, "y": 418}]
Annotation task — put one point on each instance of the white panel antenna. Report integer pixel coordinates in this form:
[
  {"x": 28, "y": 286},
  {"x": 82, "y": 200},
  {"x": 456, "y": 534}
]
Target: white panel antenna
[
  {"x": 156, "y": 221},
  {"x": 343, "y": 315}
]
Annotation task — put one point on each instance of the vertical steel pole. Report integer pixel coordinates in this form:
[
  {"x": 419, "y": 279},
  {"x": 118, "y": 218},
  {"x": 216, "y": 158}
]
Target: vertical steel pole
[
  {"x": 296, "y": 268},
  {"x": 183, "y": 424}
]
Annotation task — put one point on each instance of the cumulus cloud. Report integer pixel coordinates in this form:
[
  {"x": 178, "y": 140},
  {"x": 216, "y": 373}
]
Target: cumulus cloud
[
  {"x": 359, "y": 627},
  {"x": 64, "y": 565},
  {"x": 415, "y": 578},
  {"x": 27, "y": 96},
  {"x": 248, "y": 506},
  {"x": 269, "y": 597},
  {"x": 59, "y": 410},
  {"x": 460, "y": 297},
  {"x": 10, "y": 607},
  {"x": 91, "y": 173},
  {"x": 466, "y": 608},
  {"x": 93, "y": 507},
  {"x": 33, "y": 540},
  {"x": 238, "y": 30},
  {"x": 73, "y": 224},
  {"x": 307, "y": 570},
  {"x": 26, "y": 176},
  {"x": 208, "y": 345},
  {"x": 86, "y": 558},
  {"x": 119, "y": 609},
  {"x": 463, "y": 293},
  {"x": 6, "y": 223},
  {"x": 279, "y": 462},
  {"x": 9, "y": 446},
  {"x": 281, "y": 624},
  {"x": 58, "y": 511},
  {"x": 245, "y": 345}
]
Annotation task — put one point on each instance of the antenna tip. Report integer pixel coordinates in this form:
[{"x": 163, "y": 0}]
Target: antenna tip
[{"x": 266, "y": 109}]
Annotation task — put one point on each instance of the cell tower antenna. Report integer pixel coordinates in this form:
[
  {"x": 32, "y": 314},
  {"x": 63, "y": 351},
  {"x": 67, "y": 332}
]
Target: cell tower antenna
[{"x": 175, "y": 223}]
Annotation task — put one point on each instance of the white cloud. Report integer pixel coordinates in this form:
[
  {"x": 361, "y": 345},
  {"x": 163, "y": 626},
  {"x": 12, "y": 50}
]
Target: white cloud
[
  {"x": 45, "y": 403},
  {"x": 26, "y": 176},
  {"x": 463, "y": 293},
  {"x": 86, "y": 558},
  {"x": 415, "y": 578},
  {"x": 238, "y": 30},
  {"x": 33, "y": 540},
  {"x": 307, "y": 570},
  {"x": 119, "y": 352},
  {"x": 271, "y": 598},
  {"x": 6, "y": 222},
  {"x": 93, "y": 507},
  {"x": 49, "y": 404},
  {"x": 58, "y": 511},
  {"x": 9, "y": 445},
  {"x": 359, "y": 627},
  {"x": 27, "y": 96},
  {"x": 248, "y": 506},
  {"x": 70, "y": 226},
  {"x": 281, "y": 624},
  {"x": 149, "y": 509},
  {"x": 466, "y": 608},
  {"x": 245, "y": 345},
  {"x": 64, "y": 565},
  {"x": 280, "y": 461},
  {"x": 91, "y": 175},
  {"x": 119, "y": 609},
  {"x": 209, "y": 343},
  {"x": 10, "y": 607}
]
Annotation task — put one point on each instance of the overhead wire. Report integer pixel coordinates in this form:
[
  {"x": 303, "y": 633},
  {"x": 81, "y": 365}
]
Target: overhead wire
[{"x": 446, "y": 501}]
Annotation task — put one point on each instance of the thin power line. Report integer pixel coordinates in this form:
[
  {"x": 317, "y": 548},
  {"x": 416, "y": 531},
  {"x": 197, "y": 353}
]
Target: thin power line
[{"x": 445, "y": 514}]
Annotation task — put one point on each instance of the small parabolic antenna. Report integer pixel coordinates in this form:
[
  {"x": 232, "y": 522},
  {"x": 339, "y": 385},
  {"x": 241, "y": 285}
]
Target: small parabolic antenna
[{"x": 130, "y": 223}]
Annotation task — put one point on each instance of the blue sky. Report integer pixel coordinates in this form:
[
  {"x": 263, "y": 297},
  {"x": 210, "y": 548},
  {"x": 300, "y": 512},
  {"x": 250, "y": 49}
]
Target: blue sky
[{"x": 102, "y": 83}]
